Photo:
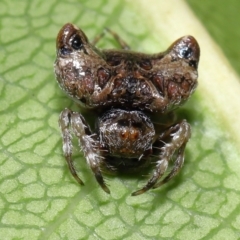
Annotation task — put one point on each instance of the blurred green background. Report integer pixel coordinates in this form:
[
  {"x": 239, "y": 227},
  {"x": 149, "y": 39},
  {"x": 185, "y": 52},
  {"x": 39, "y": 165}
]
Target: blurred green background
[{"x": 222, "y": 20}]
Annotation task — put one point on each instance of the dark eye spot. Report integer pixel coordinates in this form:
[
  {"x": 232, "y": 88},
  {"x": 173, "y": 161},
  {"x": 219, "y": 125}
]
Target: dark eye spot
[
  {"x": 65, "y": 51},
  {"x": 77, "y": 42},
  {"x": 185, "y": 52}
]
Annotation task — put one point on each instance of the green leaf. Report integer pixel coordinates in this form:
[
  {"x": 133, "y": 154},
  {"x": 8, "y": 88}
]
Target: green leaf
[{"x": 39, "y": 199}]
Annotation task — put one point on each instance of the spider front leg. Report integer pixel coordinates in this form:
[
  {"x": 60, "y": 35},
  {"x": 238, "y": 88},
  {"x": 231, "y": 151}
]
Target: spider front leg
[
  {"x": 74, "y": 121},
  {"x": 118, "y": 39},
  {"x": 179, "y": 135}
]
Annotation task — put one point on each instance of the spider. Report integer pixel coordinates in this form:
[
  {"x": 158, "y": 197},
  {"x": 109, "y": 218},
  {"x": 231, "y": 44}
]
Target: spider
[{"x": 126, "y": 89}]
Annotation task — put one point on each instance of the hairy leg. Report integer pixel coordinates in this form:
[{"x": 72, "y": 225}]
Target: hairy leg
[
  {"x": 74, "y": 121},
  {"x": 179, "y": 135}
]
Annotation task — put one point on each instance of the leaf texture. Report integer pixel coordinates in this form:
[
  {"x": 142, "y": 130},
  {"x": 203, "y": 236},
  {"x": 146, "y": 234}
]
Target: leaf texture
[{"x": 39, "y": 199}]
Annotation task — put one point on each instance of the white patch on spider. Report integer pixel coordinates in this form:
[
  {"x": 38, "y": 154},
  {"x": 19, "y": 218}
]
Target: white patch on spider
[
  {"x": 67, "y": 148},
  {"x": 92, "y": 159}
]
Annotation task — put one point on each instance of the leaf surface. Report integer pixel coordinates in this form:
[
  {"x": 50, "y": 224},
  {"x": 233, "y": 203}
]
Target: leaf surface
[{"x": 39, "y": 199}]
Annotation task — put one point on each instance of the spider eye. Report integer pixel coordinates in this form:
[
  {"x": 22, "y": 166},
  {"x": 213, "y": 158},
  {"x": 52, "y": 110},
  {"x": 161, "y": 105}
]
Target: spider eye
[
  {"x": 77, "y": 42},
  {"x": 65, "y": 51},
  {"x": 185, "y": 52}
]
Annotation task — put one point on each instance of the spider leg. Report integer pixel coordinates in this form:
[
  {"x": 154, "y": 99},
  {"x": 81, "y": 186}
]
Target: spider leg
[
  {"x": 75, "y": 121},
  {"x": 176, "y": 168},
  {"x": 98, "y": 38},
  {"x": 175, "y": 138},
  {"x": 118, "y": 39}
]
